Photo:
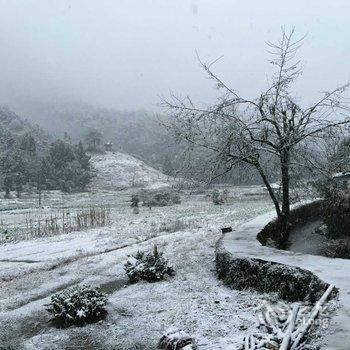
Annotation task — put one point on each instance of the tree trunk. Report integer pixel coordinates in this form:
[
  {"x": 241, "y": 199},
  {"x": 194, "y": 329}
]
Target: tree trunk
[
  {"x": 39, "y": 188},
  {"x": 7, "y": 193},
  {"x": 269, "y": 189},
  {"x": 39, "y": 199},
  {"x": 284, "y": 217}
]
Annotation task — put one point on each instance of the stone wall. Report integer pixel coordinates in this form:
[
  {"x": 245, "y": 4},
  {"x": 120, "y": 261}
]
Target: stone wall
[
  {"x": 247, "y": 271},
  {"x": 289, "y": 282}
]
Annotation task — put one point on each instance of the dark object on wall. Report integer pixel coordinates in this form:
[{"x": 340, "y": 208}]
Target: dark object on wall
[{"x": 226, "y": 229}]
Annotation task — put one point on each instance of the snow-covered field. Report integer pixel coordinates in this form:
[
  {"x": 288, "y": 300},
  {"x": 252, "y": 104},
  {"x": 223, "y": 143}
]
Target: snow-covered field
[{"x": 194, "y": 300}]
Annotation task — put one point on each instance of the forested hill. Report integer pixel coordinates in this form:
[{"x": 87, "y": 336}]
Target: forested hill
[
  {"x": 32, "y": 160},
  {"x": 15, "y": 129},
  {"x": 137, "y": 133}
]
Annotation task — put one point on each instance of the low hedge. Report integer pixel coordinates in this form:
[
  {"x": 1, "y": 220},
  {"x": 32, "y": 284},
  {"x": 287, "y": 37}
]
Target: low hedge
[{"x": 289, "y": 282}]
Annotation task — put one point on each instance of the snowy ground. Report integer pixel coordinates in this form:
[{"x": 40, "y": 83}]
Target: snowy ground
[
  {"x": 193, "y": 300},
  {"x": 305, "y": 240},
  {"x": 120, "y": 171}
]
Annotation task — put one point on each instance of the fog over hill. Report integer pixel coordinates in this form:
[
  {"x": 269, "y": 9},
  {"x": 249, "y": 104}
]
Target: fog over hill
[
  {"x": 72, "y": 66},
  {"x": 174, "y": 175},
  {"x": 134, "y": 132}
]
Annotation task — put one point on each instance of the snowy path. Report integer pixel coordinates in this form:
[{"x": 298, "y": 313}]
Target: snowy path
[{"x": 243, "y": 243}]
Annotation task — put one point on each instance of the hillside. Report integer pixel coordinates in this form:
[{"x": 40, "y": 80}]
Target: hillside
[
  {"x": 131, "y": 132},
  {"x": 116, "y": 171},
  {"x": 12, "y": 128}
]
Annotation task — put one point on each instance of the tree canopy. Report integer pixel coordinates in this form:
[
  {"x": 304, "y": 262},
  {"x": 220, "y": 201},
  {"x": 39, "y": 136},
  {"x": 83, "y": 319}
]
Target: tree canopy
[{"x": 272, "y": 133}]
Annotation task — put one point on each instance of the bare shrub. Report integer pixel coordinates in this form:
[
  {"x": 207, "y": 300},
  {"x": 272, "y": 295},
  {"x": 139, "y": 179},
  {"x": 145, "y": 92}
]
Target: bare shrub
[
  {"x": 62, "y": 221},
  {"x": 91, "y": 217},
  {"x": 174, "y": 226}
]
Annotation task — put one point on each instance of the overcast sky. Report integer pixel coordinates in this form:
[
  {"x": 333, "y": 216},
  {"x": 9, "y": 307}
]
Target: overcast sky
[{"x": 125, "y": 53}]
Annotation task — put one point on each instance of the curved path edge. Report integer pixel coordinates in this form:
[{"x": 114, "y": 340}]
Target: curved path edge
[{"x": 242, "y": 247}]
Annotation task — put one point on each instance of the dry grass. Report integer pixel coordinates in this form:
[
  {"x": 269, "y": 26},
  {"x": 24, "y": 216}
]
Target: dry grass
[
  {"x": 175, "y": 226},
  {"x": 60, "y": 222}
]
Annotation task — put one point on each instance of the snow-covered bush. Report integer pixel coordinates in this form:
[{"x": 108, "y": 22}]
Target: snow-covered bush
[
  {"x": 160, "y": 199},
  {"x": 78, "y": 305},
  {"x": 219, "y": 198},
  {"x": 135, "y": 201},
  {"x": 175, "y": 339},
  {"x": 337, "y": 211},
  {"x": 175, "y": 225},
  {"x": 151, "y": 267},
  {"x": 337, "y": 248},
  {"x": 215, "y": 197},
  {"x": 321, "y": 230}
]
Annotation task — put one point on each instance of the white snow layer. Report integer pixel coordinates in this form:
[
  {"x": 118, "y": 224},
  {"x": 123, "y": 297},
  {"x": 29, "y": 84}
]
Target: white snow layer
[{"x": 194, "y": 300}]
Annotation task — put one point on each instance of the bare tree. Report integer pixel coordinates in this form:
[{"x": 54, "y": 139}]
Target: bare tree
[{"x": 263, "y": 133}]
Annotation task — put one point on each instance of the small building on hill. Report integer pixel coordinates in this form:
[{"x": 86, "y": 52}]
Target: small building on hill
[{"x": 108, "y": 146}]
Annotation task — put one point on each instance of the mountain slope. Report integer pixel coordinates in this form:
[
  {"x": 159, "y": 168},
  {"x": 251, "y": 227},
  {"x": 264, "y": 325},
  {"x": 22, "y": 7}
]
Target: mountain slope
[
  {"x": 131, "y": 132},
  {"x": 12, "y": 128},
  {"x": 116, "y": 171}
]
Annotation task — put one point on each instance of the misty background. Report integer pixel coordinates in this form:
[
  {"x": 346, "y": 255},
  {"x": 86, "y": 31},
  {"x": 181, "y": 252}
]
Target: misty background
[{"x": 72, "y": 66}]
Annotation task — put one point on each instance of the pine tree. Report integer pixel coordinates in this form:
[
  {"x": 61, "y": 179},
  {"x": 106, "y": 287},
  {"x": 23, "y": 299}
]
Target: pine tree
[
  {"x": 28, "y": 144},
  {"x": 7, "y": 184},
  {"x": 69, "y": 167},
  {"x": 82, "y": 157},
  {"x": 14, "y": 171}
]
